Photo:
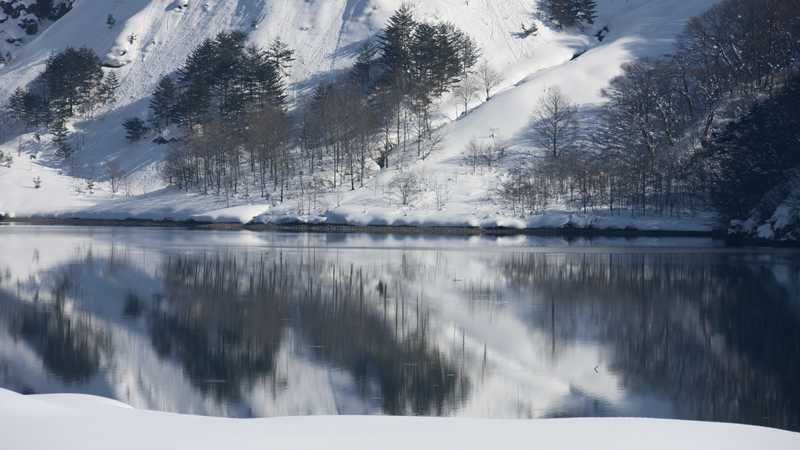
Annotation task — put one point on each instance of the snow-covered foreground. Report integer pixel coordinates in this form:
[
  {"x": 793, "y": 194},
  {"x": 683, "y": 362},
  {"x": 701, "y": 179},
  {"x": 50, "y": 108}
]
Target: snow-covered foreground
[
  {"x": 325, "y": 35},
  {"x": 77, "y": 422}
]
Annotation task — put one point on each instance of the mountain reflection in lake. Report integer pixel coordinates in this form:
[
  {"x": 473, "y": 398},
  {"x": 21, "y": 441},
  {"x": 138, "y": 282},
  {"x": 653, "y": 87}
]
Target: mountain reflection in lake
[{"x": 258, "y": 324}]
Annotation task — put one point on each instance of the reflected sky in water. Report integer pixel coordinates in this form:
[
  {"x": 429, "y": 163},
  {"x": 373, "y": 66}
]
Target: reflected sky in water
[{"x": 245, "y": 324}]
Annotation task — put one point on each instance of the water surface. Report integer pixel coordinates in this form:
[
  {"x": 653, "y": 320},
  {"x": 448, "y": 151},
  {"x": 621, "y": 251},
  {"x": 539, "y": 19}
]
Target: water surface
[{"x": 245, "y": 324}]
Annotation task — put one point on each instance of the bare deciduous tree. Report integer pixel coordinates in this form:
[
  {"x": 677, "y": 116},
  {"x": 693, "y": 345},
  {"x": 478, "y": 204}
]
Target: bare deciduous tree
[
  {"x": 473, "y": 155},
  {"x": 466, "y": 90},
  {"x": 555, "y": 122},
  {"x": 115, "y": 175},
  {"x": 406, "y": 186},
  {"x": 489, "y": 78},
  {"x": 441, "y": 192}
]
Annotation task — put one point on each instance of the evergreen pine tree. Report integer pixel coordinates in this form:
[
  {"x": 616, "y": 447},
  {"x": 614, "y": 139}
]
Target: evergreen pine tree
[
  {"x": 467, "y": 51},
  {"x": 569, "y": 13},
  {"x": 107, "y": 93},
  {"x": 195, "y": 79},
  {"x": 226, "y": 83},
  {"x": 135, "y": 129},
  {"x": 16, "y": 105},
  {"x": 281, "y": 56},
  {"x": 395, "y": 44},
  {"x": 162, "y": 104},
  {"x": 70, "y": 79},
  {"x": 58, "y": 128},
  {"x": 265, "y": 86},
  {"x": 426, "y": 73},
  {"x": 363, "y": 72},
  {"x": 587, "y": 11}
]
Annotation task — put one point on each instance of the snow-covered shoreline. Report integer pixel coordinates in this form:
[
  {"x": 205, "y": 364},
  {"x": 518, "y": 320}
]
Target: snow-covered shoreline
[
  {"x": 84, "y": 422},
  {"x": 558, "y": 225},
  {"x": 452, "y": 195}
]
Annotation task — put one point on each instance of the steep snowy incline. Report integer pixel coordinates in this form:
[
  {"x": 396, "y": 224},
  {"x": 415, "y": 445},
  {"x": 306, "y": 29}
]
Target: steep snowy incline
[
  {"x": 643, "y": 28},
  {"x": 326, "y": 35},
  {"x": 638, "y": 28},
  {"x": 153, "y": 37}
]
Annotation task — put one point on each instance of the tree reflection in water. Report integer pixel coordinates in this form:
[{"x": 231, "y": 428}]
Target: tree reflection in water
[
  {"x": 718, "y": 335},
  {"x": 71, "y": 348},
  {"x": 224, "y": 316},
  {"x": 706, "y": 335}
]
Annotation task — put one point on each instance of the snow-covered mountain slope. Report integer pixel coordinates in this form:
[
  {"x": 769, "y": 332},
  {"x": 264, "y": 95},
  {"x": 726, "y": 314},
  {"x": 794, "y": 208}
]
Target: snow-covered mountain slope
[
  {"x": 21, "y": 20},
  {"x": 326, "y": 35}
]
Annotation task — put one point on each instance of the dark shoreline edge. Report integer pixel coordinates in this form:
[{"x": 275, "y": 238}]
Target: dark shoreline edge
[
  {"x": 567, "y": 233},
  {"x": 375, "y": 229}
]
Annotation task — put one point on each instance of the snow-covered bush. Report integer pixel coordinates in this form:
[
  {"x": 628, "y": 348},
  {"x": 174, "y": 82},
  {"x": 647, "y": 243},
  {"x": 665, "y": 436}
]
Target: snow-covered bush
[
  {"x": 406, "y": 186},
  {"x": 6, "y": 160}
]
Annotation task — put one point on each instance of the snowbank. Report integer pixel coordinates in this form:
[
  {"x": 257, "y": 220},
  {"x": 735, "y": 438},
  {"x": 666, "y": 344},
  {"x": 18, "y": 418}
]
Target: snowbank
[
  {"x": 86, "y": 423},
  {"x": 548, "y": 220},
  {"x": 238, "y": 214}
]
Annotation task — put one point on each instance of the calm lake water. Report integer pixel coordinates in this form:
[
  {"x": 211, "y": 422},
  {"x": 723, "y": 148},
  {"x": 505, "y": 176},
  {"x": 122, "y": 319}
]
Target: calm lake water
[{"x": 244, "y": 324}]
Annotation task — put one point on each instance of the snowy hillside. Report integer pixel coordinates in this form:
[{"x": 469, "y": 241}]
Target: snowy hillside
[
  {"x": 22, "y": 20},
  {"x": 151, "y": 38}
]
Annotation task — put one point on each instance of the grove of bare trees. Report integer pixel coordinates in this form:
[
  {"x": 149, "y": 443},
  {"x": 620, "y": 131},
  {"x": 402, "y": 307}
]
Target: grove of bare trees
[{"x": 650, "y": 149}]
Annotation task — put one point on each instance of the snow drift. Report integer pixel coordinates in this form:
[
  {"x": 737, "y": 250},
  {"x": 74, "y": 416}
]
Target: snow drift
[{"x": 85, "y": 423}]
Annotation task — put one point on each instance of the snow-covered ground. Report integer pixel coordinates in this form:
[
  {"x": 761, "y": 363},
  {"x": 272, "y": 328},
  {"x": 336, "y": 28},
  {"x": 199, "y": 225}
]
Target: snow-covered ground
[
  {"x": 84, "y": 423},
  {"x": 326, "y": 35},
  {"x": 19, "y": 23}
]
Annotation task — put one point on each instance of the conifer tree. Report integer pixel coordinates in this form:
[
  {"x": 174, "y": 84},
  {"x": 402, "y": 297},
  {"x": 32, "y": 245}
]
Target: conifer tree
[
  {"x": 195, "y": 78},
  {"x": 396, "y": 45},
  {"x": 263, "y": 80},
  {"x": 16, "y": 104},
  {"x": 364, "y": 73},
  {"x": 60, "y": 134},
  {"x": 107, "y": 92},
  {"x": 587, "y": 11},
  {"x": 569, "y": 13},
  {"x": 228, "y": 67},
  {"x": 281, "y": 56},
  {"x": 224, "y": 77},
  {"x": 70, "y": 79},
  {"x": 162, "y": 104},
  {"x": 135, "y": 129}
]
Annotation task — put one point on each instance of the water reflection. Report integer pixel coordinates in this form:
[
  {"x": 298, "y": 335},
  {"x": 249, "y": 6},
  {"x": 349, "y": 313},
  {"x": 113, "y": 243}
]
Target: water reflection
[{"x": 245, "y": 324}]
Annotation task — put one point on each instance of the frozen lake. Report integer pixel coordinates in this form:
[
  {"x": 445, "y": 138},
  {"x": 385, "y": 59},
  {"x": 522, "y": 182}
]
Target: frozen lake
[{"x": 245, "y": 324}]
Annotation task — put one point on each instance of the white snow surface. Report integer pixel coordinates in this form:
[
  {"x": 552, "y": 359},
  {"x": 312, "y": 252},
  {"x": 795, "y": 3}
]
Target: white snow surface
[
  {"x": 84, "y": 422},
  {"x": 326, "y": 35}
]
